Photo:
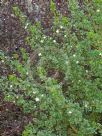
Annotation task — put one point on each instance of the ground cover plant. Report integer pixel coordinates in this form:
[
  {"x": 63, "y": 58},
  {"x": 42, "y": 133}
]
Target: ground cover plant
[{"x": 59, "y": 82}]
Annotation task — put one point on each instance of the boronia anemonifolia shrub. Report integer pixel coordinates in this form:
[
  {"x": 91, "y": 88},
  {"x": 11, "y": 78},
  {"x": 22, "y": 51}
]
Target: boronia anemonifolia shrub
[{"x": 60, "y": 82}]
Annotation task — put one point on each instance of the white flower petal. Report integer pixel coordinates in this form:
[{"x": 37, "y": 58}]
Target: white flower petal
[
  {"x": 11, "y": 86},
  {"x": 2, "y": 61},
  {"x": 61, "y": 27},
  {"x": 54, "y": 41},
  {"x": 100, "y": 54},
  {"x": 77, "y": 62},
  {"x": 98, "y": 10},
  {"x": 57, "y": 31},
  {"x": 39, "y": 54},
  {"x": 70, "y": 112},
  {"x": 37, "y": 99},
  {"x": 86, "y": 71},
  {"x": 74, "y": 55},
  {"x": 42, "y": 41}
]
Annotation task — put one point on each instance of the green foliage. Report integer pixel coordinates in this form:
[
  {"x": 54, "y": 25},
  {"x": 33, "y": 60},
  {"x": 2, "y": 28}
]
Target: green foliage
[{"x": 70, "y": 104}]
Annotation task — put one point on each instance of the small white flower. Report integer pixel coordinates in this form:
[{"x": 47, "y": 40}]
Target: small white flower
[
  {"x": 41, "y": 41},
  {"x": 27, "y": 73},
  {"x": 86, "y": 105},
  {"x": 100, "y": 54},
  {"x": 57, "y": 31},
  {"x": 26, "y": 26},
  {"x": 13, "y": 101},
  {"x": 67, "y": 62},
  {"x": 42, "y": 95},
  {"x": 61, "y": 27},
  {"x": 70, "y": 112},
  {"x": 86, "y": 71},
  {"x": 74, "y": 55},
  {"x": 34, "y": 92},
  {"x": 17, "y": 97},
  {"x": 11, "y": 86},
  {"x": 44, "y": 37},
  {"x": 2, "y": 61},
  {"x": 37, "y": 99},
  {"x": 98, "y": 10},
  {"x": 79, "y": 81},
  {"x": 77, "y": 62},
  {"x": 12, "y": 15},
  {"x": 54, "y": 41},
  {"x": 65, "y": 36},
  {"x": 39, "y": 54}
]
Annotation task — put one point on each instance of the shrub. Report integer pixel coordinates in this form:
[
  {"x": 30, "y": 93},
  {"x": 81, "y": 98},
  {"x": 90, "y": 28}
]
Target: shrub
[{"x": 60, "y": 82}]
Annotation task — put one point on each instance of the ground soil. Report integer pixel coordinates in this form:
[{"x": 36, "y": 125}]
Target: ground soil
[{"x": 12, "y": 118}]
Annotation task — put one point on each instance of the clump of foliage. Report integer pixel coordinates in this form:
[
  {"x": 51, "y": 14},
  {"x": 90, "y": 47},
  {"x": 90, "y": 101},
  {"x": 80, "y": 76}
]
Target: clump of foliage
[{"x": 60, "y": 82}]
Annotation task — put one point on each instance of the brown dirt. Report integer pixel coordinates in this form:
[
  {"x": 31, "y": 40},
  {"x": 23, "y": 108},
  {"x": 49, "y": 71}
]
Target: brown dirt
[{"x": 12, "y": 119}]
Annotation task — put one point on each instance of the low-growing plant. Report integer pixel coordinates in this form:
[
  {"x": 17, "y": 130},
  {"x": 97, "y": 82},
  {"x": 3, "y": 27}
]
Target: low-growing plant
[{"x": 60, "y": 82}]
